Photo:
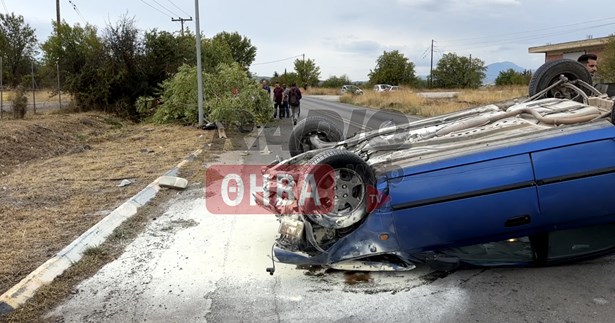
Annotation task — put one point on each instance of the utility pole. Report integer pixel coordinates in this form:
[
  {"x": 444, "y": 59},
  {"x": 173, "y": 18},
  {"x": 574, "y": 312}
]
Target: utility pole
[
  {"x": 58, "y": 24},
  {"x": 431, "y": 68},
  {"x": 199, "y": 67},
  {"x": 58, "y": 14},
  {"x": 33, "y": 90},
  {"x": 181, "y": 20},
  {"x": 59, "y": 87}
]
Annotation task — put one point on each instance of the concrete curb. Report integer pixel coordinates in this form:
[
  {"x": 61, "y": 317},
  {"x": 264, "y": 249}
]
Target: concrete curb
[{"x": 71, "y": 254}]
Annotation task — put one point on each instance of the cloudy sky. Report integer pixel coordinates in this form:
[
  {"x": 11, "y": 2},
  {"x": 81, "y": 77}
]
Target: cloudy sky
[{"x": 345, "y": 37}]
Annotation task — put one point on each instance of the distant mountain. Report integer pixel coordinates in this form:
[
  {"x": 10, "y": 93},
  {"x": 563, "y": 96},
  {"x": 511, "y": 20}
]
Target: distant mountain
[{"x": 493, "y": 70}]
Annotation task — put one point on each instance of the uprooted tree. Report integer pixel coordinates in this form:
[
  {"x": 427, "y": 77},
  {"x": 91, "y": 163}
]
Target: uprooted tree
[{"x": 226, "y": 92}]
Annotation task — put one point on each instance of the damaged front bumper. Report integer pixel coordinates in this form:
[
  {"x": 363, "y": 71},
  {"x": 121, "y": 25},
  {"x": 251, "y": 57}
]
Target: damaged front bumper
[{"x": 370, "y": 247}]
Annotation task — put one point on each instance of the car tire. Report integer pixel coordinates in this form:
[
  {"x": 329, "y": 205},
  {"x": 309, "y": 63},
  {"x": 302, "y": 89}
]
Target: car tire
[
  {"x": 348, "y": 182},
  {"x": 549, "y": 73},
  {"x": 299, "y": 141}
]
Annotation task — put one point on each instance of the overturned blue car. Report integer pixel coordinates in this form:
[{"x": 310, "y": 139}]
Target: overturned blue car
[{"x": 528, "y": 183}]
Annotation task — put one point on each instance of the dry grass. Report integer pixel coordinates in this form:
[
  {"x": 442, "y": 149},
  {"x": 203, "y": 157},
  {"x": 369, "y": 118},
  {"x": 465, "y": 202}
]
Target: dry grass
[
  {"x": 321, "y": 91},
  {"x": 60, "y": 173},
  {"x": 409, "y": 102},
  {"x": 40, "y": 95}
]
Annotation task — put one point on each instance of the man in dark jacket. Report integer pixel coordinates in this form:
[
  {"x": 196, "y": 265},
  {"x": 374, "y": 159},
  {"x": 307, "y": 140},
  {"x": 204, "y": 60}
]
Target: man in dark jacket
[
  {"x": 278, "y": 95},
  {"x": 294, "y": 100}
]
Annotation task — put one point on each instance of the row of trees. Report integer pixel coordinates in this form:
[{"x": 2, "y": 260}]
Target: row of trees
[
  {"x": 452, "y": 71},
  {"x": 111, "y": 69}
]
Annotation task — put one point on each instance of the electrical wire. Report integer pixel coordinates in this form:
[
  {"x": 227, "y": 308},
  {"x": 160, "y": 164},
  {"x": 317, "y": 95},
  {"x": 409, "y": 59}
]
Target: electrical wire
[
  {"x": 178, "y": 8},
  {"x": 531, "y": 31},
  {"x": 165, "y": 8},
  {"x": 77, "y": 11},
  {"x": 279, "y": 60},
  {"x": 162, "y": 12},
  {"x": 533, "y": 37},
  {"x": 5, "y": 9},
  {"x": 515, "y": 40}
]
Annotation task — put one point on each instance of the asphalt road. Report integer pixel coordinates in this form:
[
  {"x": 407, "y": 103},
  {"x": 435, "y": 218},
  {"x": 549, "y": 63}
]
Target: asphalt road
[{"x": 191, "y": 265}]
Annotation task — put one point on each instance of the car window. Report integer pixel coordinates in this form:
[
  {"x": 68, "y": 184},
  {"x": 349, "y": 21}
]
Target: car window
[{"x": 581, "y": 241}]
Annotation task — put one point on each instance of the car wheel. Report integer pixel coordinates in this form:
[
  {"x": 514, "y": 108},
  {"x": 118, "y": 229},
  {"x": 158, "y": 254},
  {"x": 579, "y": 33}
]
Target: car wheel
[
  {"x": 550, "y": 72},
  {"x": 310, "y": 133},
  {"x": 345, "y": 182}
]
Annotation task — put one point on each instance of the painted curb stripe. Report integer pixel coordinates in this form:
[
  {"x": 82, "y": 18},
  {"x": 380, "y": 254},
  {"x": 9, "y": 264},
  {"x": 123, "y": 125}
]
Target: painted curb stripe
[{"x": 71, "y": 254}]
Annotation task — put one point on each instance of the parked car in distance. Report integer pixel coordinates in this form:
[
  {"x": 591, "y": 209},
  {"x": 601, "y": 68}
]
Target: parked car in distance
[
  {"x": 351, "y": 89},
  {"x": 394, "y": 88},
  {"x": 381, "y": 87}
]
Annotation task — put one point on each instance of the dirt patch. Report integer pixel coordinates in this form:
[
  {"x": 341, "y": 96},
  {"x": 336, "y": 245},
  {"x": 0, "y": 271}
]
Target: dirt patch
[{"x": 59, "y": 175}]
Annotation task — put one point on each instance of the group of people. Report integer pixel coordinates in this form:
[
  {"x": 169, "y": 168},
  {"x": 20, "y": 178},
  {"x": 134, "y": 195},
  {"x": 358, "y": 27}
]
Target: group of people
[{"x": 286, "y": 100}]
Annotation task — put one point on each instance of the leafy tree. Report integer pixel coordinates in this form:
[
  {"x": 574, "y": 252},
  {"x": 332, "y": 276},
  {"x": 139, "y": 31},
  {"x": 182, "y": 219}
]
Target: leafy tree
[
  {"x": 455, "y": 71},
  {"x": 124, "y": 74},
  {"x": 606, "y": 67},
  {"x": 164, "y": 53},
  {"x": 393, "y": 68},
  {"x": 121, "y": 71},
  {"x": 241, "y": 48},
  {"x": 214, "y": 52},
  {"x": 80, "y": 53},
  {"x": 335, "y": 81},
  {"x": 17, "y": 46},
  {"x": 226, "y": 91},
  {"x": 287, "y": 78},
  {"x": 307, "y": 72},
  {"x": 512, "y": 77}
]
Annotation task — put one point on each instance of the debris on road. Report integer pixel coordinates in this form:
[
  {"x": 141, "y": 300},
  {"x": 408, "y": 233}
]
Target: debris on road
[{"x": 172, "y": 182}]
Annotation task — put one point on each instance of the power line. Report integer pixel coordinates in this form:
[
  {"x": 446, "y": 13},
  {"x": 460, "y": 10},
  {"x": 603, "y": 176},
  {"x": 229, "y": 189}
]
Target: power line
[
  {"x": 484, "y": 44},
  {"x": 279, "y": 60},
  {"x": 534, "y": 31},
  {"x": 165, "y": 8},
  {"x": 180, "y": 9},
  {"x": 5, "y": 9},
  {"x": 162, "y": 12},
  {"x": 77, "y": 11}
]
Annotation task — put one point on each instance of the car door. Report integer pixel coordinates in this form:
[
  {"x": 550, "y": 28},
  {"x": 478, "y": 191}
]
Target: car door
[
  {"x": 466, "y": 204},
  {"x": 576, "y": 184}
]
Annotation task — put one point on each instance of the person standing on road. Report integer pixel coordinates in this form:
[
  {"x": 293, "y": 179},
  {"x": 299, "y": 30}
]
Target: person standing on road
[
  {"x": 278, "y": 94},
  {"x": 590, "y": 61},
  {"x": 294, "y": 99},
  {"x": 285, "y": 100},
  {"x": 266, "y": 87}
]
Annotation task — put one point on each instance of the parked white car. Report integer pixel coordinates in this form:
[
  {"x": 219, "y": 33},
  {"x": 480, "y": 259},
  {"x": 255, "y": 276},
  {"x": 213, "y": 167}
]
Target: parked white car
[
  {"x": 352, "y": 89},
  {"x": 381, "y": 87}
]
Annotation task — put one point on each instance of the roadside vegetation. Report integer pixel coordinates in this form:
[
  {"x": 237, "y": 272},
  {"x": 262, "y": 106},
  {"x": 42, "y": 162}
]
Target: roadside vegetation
[{"x": 410, "y": 102}]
